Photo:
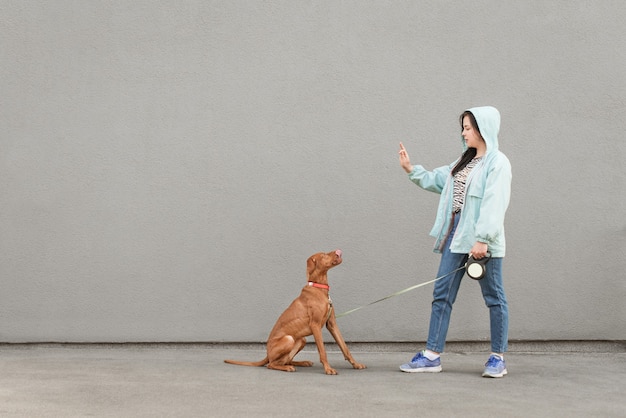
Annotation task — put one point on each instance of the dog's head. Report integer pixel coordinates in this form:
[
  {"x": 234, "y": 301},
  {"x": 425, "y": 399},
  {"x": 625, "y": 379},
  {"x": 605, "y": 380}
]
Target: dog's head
[{"x": 321, "y": 262}]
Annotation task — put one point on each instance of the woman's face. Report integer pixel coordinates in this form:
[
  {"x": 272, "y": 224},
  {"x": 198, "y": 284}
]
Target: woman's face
[{"x": 472, "y": 136}]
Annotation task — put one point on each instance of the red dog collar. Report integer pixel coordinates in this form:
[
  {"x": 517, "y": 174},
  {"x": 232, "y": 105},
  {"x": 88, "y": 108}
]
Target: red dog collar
[{"x": 321, "y": 286}]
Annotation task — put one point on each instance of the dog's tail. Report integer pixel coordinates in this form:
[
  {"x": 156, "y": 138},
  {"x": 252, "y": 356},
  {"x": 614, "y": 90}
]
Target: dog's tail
[{"x": 263, "y": 362}]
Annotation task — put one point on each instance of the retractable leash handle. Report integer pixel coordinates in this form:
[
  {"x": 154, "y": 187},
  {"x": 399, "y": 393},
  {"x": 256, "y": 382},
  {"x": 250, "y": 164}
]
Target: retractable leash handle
[{"x": 476, "y": 269}]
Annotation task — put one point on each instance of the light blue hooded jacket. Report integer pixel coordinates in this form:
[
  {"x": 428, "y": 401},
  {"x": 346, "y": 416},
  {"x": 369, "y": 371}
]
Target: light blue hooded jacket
[{"x": 487, "y": 193}]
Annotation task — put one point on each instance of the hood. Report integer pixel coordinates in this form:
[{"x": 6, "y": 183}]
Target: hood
[{"x": 488, "y": 120}]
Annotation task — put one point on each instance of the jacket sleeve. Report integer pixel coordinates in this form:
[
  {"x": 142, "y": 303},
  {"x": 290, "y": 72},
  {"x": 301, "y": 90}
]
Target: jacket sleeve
[
  {"x": 433, "y": 181},
  {"x": 495, "y": 201}
]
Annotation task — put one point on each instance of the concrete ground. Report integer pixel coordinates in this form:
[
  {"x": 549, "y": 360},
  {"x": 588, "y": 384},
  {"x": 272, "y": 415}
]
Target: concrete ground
[{"x": 192, "y": 381}]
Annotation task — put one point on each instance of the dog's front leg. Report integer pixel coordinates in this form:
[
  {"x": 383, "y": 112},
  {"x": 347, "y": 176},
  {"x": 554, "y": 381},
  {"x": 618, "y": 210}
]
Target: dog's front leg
[
  {"x": 331, "y": 324},
  {"x": 319, "y": 342}
]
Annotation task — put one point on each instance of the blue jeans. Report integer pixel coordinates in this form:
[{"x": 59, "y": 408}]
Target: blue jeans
[{"x": 446, "y": 289}]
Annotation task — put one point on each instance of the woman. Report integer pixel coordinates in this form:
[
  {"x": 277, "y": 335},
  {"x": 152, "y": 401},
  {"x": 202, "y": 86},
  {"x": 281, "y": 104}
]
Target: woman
[{"x": 475, "y": 192}]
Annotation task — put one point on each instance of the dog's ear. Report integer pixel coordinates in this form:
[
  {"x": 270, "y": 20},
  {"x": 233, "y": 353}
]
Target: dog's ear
[{"x": 310, "y": 264}]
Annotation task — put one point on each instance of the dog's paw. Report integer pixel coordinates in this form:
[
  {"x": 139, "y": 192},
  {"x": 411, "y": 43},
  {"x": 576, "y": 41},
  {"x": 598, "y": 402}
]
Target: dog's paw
[
  {"x": 330, "y": 371},
  {"x": 283, "y": 368},
  {"x": 359, "y": 366}
]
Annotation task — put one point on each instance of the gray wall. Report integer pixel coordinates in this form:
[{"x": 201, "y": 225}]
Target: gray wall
[{"x": 167, "y": 167}]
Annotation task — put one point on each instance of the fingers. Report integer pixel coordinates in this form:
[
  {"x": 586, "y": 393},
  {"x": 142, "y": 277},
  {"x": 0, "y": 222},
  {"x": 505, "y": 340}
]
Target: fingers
[
  {"x": 402, "y": 151},
  {"x": 479, "y": 250},
  {"x": 405, "y": 162}
]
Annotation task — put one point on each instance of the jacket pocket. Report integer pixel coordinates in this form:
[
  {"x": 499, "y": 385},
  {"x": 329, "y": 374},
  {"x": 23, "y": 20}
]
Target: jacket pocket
[{"x": 476, "y": 189}]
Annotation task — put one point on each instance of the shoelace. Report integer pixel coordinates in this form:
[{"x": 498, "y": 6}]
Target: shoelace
[
  {"x": 493, "y": 361},
  {"x": 420, "y": 355}
]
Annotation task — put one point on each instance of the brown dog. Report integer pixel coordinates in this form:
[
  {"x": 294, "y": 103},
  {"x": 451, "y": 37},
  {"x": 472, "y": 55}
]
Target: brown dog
[{"x": 306, "y": 315}]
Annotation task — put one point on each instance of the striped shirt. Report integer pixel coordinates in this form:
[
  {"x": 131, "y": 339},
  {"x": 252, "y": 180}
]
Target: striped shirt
[{"x": 459, "y": 184}]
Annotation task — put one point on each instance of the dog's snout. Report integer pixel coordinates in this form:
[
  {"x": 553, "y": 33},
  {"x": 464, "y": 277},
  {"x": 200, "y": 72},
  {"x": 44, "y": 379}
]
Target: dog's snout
[{"x": 338, "y": 252}]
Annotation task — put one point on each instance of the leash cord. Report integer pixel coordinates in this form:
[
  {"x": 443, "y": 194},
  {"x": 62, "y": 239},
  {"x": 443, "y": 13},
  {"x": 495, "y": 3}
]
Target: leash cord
[{"x": 408, "y": 289}]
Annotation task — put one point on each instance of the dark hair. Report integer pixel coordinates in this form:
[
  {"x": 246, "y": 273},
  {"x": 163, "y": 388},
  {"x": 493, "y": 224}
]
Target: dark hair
[{"x": 469, "y": 153}]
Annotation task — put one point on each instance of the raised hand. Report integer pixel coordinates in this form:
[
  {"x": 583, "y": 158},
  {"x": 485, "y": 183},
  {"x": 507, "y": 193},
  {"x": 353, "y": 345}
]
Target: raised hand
[{"x": 405, "y": 161}]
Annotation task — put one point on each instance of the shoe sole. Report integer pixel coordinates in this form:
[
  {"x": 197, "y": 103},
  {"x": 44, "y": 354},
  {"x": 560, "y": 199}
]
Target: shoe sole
[
  {"x": 504, "y": 372},
  {"x": 435, "y": 369}
]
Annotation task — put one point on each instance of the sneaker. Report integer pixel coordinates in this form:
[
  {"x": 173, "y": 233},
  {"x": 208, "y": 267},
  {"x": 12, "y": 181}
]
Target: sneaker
[
  {"x": 420, "y": 364},
  {"x": 495, "y": 367}
]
